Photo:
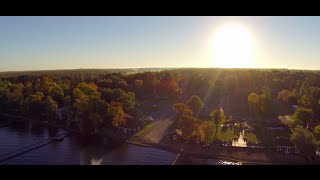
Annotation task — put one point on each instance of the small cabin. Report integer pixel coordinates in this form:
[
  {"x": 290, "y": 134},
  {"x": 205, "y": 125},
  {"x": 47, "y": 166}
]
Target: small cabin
[{"x": 132, "y": 126}]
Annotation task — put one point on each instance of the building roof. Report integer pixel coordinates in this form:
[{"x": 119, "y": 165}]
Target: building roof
[
  {"x": 285, "y": 120},
  {"x": 128, "y": 116},
  {"x": 283, "y": 142},
  {"x": 177, "y": 131},
  {"x": 132, "y": 122},
  {"x": 313, "y": 124}
]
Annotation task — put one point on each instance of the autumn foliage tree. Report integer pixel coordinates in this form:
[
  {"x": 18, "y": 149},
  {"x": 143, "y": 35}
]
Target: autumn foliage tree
[
  {"x": 182, "y": 109},
  {"x": 187, "y": 124},
  {"x": 117, "y": 114},
  {"x": 206, "y": 131},
  {"x": 186, "y": 120}
]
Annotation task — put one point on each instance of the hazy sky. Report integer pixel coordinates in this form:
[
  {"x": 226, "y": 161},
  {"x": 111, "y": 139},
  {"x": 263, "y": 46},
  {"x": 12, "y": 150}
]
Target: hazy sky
[{"x": 34, "y": 43}]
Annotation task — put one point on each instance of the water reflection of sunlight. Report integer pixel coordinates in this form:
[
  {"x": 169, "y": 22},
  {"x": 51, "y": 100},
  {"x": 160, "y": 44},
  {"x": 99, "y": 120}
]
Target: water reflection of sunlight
[{"x": 96, "y": 161}]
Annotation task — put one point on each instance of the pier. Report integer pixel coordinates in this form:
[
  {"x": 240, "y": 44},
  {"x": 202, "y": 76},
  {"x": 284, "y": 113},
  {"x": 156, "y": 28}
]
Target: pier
[{"x": 31, "y": 147}]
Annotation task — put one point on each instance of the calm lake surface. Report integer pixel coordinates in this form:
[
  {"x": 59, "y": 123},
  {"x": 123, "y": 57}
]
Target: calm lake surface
[{"x": 74, "y": 151}]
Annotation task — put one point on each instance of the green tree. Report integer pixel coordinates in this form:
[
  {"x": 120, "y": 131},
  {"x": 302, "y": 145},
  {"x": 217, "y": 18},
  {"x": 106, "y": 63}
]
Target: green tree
[
  {"x": 254, "y": 104},
  {"x": 50, "y": 107},
  {"x": 14, "y": 96},
  {"x": 196, "y": 105},
  {"x": 127, "y": 99},
  {"x": 304, "y": 140},
  {"x": 302, "y": 116},
  {"x": 107, "y": 94},
  {"x": 138, "y": 83},
  {"x": 266, "y": 99},
  {"x": 306, "y": 101},
  {"x": 316, "y": 132},
  {"x": 218, "y": 117},
  {"x": 89, "y": 89},
  {"x": 4, "y": 90},
  {"x": 87, "y": 104},
  {"x": 284, "y": 96},
  {"x": 33, "y": 104},
  {"x": 187, "y": 124},
  {"x": 260, "y": 105},
  {"x": 206, "y": 132}
]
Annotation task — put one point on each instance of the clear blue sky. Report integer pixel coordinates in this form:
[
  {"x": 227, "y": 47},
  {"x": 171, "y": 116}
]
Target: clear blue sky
[{"x": 35, "y": 43}]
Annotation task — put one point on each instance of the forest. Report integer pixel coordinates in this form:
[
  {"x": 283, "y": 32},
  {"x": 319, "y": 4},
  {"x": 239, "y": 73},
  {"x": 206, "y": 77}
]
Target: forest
[{"x": 98, "y": 99}]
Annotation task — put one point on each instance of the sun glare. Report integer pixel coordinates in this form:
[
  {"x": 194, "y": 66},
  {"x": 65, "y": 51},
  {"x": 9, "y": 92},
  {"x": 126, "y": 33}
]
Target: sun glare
[{"x": 233, "y": 47}]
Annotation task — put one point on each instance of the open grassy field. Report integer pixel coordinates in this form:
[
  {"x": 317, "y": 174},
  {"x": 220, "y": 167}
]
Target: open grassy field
[{"x": 251, "y": 137}]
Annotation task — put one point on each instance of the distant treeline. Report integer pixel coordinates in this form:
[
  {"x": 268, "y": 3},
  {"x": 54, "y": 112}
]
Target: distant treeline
[{"x": 67, "y": 72}]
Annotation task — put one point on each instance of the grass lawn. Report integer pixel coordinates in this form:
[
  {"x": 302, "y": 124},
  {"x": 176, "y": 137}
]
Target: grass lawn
[
  {"x": 225, "y": 136},
  {"x": 252, "y": 138},
  {"x": 145, "y": 130}
]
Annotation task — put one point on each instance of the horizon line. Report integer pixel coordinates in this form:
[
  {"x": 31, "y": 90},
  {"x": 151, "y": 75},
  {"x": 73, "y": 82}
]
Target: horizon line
[{"x": 71, "y": 69}]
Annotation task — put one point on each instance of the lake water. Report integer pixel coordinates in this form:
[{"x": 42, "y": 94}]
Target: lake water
[{"x": 74, "y": 151}]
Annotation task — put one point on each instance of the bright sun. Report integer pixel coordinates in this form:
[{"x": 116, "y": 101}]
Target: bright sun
[{"x": 233, "y": 47}]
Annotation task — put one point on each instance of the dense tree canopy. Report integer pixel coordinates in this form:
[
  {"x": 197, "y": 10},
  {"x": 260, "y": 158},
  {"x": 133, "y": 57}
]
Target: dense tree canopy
[
  {"x": 218, "y": 117},
  {"x": 316, "y": 132},
  {"x": 304, "y": 140},
  {"x": 302, "y": 116},
  {"x": 83, "y": 91},
  {"x": 196, "y": 105}
]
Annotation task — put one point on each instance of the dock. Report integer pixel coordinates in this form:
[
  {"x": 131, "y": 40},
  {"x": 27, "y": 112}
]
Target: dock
[{"x": 31, "y": 147}]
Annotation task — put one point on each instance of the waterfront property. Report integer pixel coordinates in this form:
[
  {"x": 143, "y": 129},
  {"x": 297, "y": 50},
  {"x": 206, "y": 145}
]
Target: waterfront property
[
  {"x": 284, "y": 145},
  {"x": 132, "y": 126}
]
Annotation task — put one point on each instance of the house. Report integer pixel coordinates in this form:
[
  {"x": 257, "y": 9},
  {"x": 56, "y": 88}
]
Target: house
[
  {"x": 279, "y": 128},
  {"x": 66, "y": 114},
  {"x": 62, "y": 113},
  {"x": 176, "y": 135},
  {"x": 284, "y": 145},
  {"x": 294, "y": 107},
  {"x": 132, "y": 126},
  {"x": 312, "y": 124},
  {"x": 285, "y": 120},
  {"x": 196, "y": 139}
]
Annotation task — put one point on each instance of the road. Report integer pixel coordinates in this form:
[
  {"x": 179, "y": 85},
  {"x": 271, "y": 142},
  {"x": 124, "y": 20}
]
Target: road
[{"x": 158, "y": 131}]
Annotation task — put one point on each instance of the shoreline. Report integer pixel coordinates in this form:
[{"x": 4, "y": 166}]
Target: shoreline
[
  {"x": 211, "y": 155},
  {"x": 221, "y": 153}
]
